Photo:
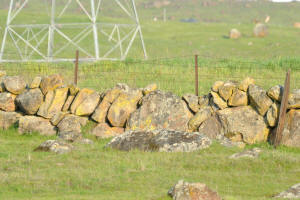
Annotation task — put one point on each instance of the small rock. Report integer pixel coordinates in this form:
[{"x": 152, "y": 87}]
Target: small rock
[
  {"x": 70, "y": 136},
  {"x": 200, "y": 117},
  {"x": 192, "y": 102},
  {"x": 2, "y": 73},
  {"x": 150, "y": 88},
  {"x": 14, "y": 84},
  {"x": 55, "y": 146},
  {"x": 218, "y": 100},
  {"x": 101, "y": 111},
  {"x": 57, "y": 117},
  {"x": 192, "y": 191},
  {"x": 291, "y": 131},
  {"x": 80, "y": 97},
  {"x": 234, "y": 34},
  {"x": 8, "y": 119},
  {"x": 217, "y": 85},
  {"x": 88, "y": 105},
  {"x": 260, "y": 30},
  {"x": 70, "y": 123},
  {"x": 211, "y": 127},
  {"x": 291, "y": 193},
  {"x": 273, "y": 114},
  {"x": 225, "y": 91},
  {"x": 224, "y": 141},
  {"x": 160, "y": 140},
  {"x": 252, "y": 153},
  {"x": 73, "y": 89},
  {"x": 7, "y": 102},
  {"x": 259, "y": 99},
  {"x": 68, "y": 103},
  {"x": 294, "y": 99},
  {"x": 103, "y": 130},
  {"x": 276, "y": 92},
  {"x": 30, "y": 101},
  {"x": 36, "y": 82},
  {"x": 203, "y": 101},
  {"x": 32, "y": 124},
  {"x": 245, "y": 84},
  {"x": 238, "y": 98},
  {"x": 297, "y": 24},
  {"x": 51, "y": 83}
]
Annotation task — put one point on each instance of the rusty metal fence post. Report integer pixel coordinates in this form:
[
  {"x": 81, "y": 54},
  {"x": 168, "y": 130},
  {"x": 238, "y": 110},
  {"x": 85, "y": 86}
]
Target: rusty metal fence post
[
  {"x": 283, "y": 109},
  {"x": 76, "y": 68},
  {"x": 196, "y": 76}
]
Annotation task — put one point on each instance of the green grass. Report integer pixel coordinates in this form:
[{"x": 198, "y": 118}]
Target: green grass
[{"x": 93, "y": 172}]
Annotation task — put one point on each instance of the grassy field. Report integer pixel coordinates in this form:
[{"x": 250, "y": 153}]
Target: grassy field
[{"x": 93, "y": 172}]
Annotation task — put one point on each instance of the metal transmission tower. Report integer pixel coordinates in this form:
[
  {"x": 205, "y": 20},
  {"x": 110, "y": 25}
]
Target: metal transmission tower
[{"x": 56, "y": 38}]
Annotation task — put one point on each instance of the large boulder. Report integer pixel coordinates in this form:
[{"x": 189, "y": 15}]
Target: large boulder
[
  {"x": 260, "y": 30},
  {"x": 291, "y": 193},
  {"x": 200, "y": 117},
  {"x": 33, "y": 124},
  {"x": 14, "y": 84},
  {"x": 88, "y": 105},
  {"x": 101, "y": 111},
  {"x": 192, "y": 102},
  {"x": 51, "y": 83},
  {"x": 243, "y": 124},
  {"x": 192, "y": 191},
  {"x": 238, "y": 98},
  {"x": 259, "y": 99},
  {"x": 80, "y": 98},
  {"x": 71, "y": 123},
  {"x": 160, "y": 140},
  {"x": 30, "y": 101},
  {"x": 8, "y": 119},
  {"x": 55, "y": 146},
  {"x": 211, "y": 127},
  {"x": 160, "y": 110},
  {"x": 123, "y": 106},
  {"x": 103, "y": 130},
  {"x": 294, "y": 99},
  {"x": 7, "y": 102},
  {"x": 291, "y": 132},
  {"x": 53, "y": 103}
]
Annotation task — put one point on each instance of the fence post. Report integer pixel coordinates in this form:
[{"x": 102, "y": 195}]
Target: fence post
[
  {"x": 196, "y": 76},
  {"x": 76, "y": 68},
  {"x": 283, "y": 109}
]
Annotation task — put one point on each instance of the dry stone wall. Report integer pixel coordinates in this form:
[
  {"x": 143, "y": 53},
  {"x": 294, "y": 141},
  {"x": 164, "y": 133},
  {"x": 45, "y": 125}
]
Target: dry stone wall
[{"x": 239, "y": 111}]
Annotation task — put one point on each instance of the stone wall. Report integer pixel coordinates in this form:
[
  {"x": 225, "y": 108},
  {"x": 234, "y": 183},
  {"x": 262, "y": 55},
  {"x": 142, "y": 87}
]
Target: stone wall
[{"x": 242, "y": 112}]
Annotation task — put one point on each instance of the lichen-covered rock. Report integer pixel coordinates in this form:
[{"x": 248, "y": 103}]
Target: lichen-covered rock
[
  {"x": 112, "y": 94},
  {"x": 225, "y": 91},
  {"x": 243, "y": 124},
  {"x": 291, "y": 193},
  {"x": 291, "y": 132},
  {"x": 211, "y": 127},
  {"x": 244, "y": 85},
  {"x": 201, "y": 116},
  {"x": 103, "y": 130},
  {"x": 70, "y": 136},
  {"x": 203, "y": 101},
  {"x": 70, "y": 123},
  {"x": 57, "y": 118},
  {"x": 192, "y": 102},
  {"x": 159, "y": 110},
  {"x": 251, "y": 153},
  {"x": 192, "y": 191},
  {"x": 160, "y": 140},
  {"x": 30, "y": 101},
  {"x": 55, "y": 146},
  {"x": 7, "y": 102},
  {"x": 80, "y": 97},
  {"x": 150, "y": 88},
  {"x": 88, "y": 105},
  {"x": 54, "y": 102},
  {"x": 33, "y": 124},
  {"x": 276, "y": 92},
  {"x": 216, "y": 86},
  {"x": 217, "y": 100},
  {"x": 294, "y": 99},
  {"x": 273, "y": 114},
  {"x": 238, "y": 98},
  {"x": 51, "y": 83},
  {"x": 68, "y": 103},
  {"x": 101, "y": 111},
  {"x": 14, "y": 84},
  {"x": 36, "y": 82},
  {"x": 224, "y": 141},
  {"x": 259, "y": 99},
  {"x": 73, "y": 89},
  {"x": 123, "y": 106},
  {"x": 8, "y": 119}
]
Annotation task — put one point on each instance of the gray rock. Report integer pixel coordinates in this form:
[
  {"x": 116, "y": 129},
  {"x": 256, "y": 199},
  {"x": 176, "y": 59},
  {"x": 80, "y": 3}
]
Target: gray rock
[
  {"x": 291, "y": 131},
  {"x": 292, "y": 193},
  {"x": 192, "y": 191},
  {"x": 276, "y": 92},
  {"x": 211, "y": 127},
  {"x": 159, "y": 110},
  {"x": 252, "y": 153},
  {"x": 32, "y": 124},
  {"x": 55, "y": 146},
  {"x": 192, "y": 102},
  {"x": 8, "y": 119},
  {"x": 50, "y": 83},
  {"x": 30, "y": 101},
  {"x": 14, "y": 84},
  {"x": 160, "y": 140},
  {"x": 273, "y": 114},
  {"x": 71, "y": 123},
  {"x": 7, "y": 102},
  {"x": 199, "y": 118},
  {"x": 35, "y": 82},
  {"x": 203, "y": 101},
  {"x": 294, "y": 99},
  {"x": 70, "y": 136},
  {"x": 224, "y": 141},
  {"x": 217, "y": 100},
  {"x": 225, "y": 91},
  {"x": 259, "y": 99}
]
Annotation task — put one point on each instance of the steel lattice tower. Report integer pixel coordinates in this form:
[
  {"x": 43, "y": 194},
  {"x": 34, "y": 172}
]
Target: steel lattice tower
[{"x": 37, "y": 42}]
